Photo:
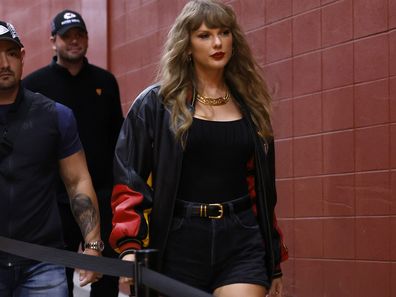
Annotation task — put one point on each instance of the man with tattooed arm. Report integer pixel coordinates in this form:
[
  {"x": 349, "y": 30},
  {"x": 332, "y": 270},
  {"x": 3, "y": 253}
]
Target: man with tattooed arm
[{"x": 39, "y": 140}]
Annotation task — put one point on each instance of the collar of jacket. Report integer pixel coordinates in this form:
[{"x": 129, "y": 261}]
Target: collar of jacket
[{"x": 62, "y": 69}]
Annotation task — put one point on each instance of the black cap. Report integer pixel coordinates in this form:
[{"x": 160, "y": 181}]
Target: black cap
[
  {"x": 65, "y": 20},
  {"x": 8, "y": 32}
]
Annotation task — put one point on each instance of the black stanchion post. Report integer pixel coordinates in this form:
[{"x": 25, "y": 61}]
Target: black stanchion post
[{"x": 144, "y": 258}]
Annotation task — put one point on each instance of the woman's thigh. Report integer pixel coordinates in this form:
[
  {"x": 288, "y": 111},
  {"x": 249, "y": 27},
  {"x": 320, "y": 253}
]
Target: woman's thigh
[{"x": 237, "y": 290}]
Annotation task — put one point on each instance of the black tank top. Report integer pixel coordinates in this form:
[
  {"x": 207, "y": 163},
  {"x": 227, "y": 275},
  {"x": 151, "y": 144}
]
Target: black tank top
[{"x": 214, "y": 161}]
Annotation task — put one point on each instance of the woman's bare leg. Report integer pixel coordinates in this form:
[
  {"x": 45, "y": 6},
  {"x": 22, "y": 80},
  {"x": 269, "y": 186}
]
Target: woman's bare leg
[{"x": 239, "y": 290}]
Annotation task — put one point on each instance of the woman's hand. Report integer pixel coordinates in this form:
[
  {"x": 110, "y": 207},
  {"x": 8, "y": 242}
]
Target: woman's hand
[
  {"x": 127, "y": 280},
  {"x": 276, "y": 289}
]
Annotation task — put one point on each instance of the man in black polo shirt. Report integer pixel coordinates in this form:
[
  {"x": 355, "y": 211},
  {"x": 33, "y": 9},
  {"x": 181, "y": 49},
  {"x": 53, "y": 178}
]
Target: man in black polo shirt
[
  {"x": 38, "y": 140},
  {"x": 93, "y": 95}
]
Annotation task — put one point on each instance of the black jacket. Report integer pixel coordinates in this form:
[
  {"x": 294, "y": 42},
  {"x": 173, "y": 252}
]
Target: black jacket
[{"x": 147, "y": 146}]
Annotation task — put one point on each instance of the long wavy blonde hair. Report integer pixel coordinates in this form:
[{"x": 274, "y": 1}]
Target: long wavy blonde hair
[{"x": 176, "y": 71}]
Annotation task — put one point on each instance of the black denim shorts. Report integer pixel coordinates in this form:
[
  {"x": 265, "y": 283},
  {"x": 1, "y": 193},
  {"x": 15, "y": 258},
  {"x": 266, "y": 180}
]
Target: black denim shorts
[{"x": 210, "y": 253}]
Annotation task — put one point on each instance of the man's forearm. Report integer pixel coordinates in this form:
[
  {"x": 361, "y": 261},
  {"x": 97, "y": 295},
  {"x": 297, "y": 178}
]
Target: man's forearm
[
  {"x": 85, "y": 213},
  {"x": 83, "y": 201}
]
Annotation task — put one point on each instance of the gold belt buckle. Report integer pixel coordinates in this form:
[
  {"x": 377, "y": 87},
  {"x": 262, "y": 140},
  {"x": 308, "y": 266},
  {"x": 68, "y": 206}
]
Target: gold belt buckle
[{"x": 221, "y": 211}]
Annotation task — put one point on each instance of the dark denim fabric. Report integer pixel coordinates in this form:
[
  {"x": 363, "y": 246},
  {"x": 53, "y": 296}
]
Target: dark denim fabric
[
  {"x": 37, "y": 280},
  {"x": 210, "y": 253}
]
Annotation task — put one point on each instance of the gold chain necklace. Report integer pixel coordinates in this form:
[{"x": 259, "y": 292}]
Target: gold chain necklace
[{"x": 213, "y": 101}]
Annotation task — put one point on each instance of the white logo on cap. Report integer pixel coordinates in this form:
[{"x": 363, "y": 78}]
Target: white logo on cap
[
  {"x": 3, "y": 30},
  {"x": 12, "y": 30},
  {"x": 69, "y": 15}
]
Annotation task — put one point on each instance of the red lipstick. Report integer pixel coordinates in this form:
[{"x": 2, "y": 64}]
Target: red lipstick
[{"x": 218, "y": 55}]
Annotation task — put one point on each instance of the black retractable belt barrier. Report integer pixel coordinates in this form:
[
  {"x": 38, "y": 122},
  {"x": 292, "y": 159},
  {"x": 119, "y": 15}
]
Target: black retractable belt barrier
[
  {"x": 146, "y": 278},
  {"x": 144, "y": 258},
  {"x": 108, "y": 266}
]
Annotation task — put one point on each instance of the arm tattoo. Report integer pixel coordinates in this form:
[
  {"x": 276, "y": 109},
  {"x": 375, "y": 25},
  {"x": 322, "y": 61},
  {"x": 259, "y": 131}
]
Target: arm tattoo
[{"x": 84, "y": 213}]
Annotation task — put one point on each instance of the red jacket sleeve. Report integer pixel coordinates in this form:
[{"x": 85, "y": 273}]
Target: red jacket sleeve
[
  {"x": 126, "y": 221},
  {"x": 132, "y": 196}
]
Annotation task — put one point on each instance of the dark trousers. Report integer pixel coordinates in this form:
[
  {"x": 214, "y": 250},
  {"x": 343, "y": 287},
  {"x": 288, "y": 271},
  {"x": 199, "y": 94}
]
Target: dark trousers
[{"x": 107, "y": 286}]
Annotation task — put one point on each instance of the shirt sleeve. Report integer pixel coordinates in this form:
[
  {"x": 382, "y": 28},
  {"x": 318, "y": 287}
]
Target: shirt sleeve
[{"x": 69, "y": 143}]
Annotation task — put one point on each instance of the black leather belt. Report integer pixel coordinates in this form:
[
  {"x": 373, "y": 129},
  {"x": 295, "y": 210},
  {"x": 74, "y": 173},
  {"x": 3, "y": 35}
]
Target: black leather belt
[{"x": 211, "y": 210}]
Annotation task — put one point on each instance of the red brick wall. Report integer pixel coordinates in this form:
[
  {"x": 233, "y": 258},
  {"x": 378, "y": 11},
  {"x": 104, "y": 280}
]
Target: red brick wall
[
  {"x": 331, "y": 67},
  {"x": 32, "y": 21},
  {"x": 137, "y": 32}
]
